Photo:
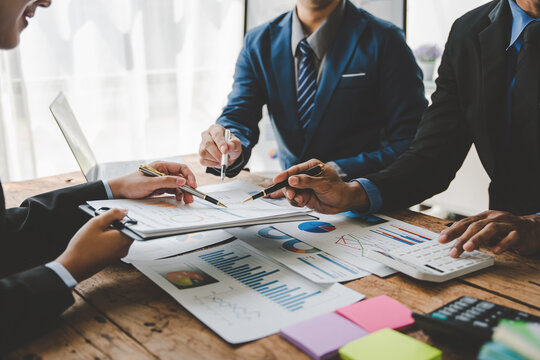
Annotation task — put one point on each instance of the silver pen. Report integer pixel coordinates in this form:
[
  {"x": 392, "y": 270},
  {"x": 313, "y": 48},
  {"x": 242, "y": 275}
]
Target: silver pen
[{"x": 225, "y": 157}]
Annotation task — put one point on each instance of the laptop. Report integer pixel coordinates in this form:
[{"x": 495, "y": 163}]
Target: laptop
[{"x": 61, "y": 110}]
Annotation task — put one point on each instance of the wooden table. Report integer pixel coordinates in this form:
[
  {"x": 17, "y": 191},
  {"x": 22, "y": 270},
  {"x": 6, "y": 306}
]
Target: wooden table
[{"x": 120, "y": 314}]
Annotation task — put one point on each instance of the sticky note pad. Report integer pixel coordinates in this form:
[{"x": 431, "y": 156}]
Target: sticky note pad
[
  {"x": 388, "y": 344},
  {"x": 378, "y": 313},
  {"x": 322, "y": 336}
]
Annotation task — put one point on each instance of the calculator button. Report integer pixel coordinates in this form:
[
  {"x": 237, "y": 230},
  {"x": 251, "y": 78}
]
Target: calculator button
[
  {"x": 463, "y": 317},
  {"x": 523, "y": 315},
  {"x": 479, "y": 309},
  {"x": 480, "y": 324},
  {"x": 474, "y": 312},
  {"x": 469, "y": 300},
  {"x": 486, "y": 305},
  {"x": 446, "y": 312},
  {"x": 439, "y": 315}
]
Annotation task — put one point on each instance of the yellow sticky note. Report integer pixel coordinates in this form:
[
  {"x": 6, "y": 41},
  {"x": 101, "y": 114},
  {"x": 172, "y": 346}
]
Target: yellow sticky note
[{"x": 388, "y": 344}]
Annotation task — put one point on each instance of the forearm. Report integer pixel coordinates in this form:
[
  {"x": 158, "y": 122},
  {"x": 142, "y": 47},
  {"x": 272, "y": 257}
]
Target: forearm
[
  {"x": 44, "y": 224},
  {"x": 31, "y": 301}
]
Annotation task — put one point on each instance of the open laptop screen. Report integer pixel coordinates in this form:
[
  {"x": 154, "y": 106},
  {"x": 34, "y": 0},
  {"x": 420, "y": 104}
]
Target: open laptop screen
[{"x": 74, "y": 136}]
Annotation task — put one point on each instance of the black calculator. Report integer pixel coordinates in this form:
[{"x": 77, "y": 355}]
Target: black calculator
[{"x": 468, "y": 319}]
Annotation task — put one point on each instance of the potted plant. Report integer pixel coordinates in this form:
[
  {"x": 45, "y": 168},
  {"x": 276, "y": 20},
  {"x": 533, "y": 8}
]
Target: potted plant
[{"x": 427, "y": 55}]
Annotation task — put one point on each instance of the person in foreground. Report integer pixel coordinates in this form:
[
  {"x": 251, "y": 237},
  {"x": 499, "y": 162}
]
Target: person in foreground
[
  {"x": 51, "y": 227},
  {"x": 339, "y": 84},
  {"x": 487, "y": 94}
]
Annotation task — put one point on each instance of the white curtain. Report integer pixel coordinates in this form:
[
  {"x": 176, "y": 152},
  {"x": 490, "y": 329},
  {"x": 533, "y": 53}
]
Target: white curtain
[{"x": 144, "y": 78}]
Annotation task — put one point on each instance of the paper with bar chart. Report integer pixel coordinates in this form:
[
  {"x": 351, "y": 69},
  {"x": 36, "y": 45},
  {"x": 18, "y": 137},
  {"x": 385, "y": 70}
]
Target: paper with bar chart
[
  {"x": 174, "y": 245},
  {"x": 162, "y": 216},
  {"x": 306, "y": 260},
  {"x": 240, "y": 293},
  {"x": 349, "y": 236}
]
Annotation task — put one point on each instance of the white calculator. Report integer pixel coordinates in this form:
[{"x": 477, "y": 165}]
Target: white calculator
[{"x": 430, "y": 261}]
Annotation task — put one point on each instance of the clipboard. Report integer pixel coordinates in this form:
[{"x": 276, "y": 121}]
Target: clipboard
[{"x": 123, "y": 227}]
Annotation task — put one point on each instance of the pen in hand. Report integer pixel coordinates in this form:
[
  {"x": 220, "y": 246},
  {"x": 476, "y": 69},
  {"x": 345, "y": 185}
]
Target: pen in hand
[
  {"x": 314, "y": 171},
  {"x": 225, "y": 157},
  {"x": 149, "y": 171}
]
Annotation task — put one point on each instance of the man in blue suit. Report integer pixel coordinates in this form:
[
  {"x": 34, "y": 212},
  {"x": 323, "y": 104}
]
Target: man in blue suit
[{"x": 340, "y": 85}]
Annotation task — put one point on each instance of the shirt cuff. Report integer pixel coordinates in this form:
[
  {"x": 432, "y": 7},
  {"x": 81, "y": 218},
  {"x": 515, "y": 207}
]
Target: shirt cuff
[
  {"x": 373, "y": 194},
  {"x": 62, "y": 273},
  {"x": 342, "y": 174},
  {"x": 108, "y": 190}
]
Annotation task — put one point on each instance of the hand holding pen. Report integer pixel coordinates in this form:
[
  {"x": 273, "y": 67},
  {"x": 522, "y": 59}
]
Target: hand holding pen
[
  {"x": 325, "y": 193},
  {"x": 315, "y": 170},
  {"x": 213, "y": 146},
  {"x": 149, "y": 171},
  {"x": 137, "y": 186}
]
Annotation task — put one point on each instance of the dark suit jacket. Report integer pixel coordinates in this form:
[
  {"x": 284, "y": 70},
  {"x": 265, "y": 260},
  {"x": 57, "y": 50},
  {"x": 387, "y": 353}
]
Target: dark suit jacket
[
  {"x": 469, "y": 106},
  {"x": 362, "y": 122},
  {"x": 31, "y": 235}
]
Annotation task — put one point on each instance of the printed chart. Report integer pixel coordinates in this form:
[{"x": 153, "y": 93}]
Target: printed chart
[
  {"x": 173, "y": 245},
  {"x": 242, "y": 294},
  {"x": 316, "y": 227},
  {"x": 304, "y": 259},
  {"x": 353, "y": 235}
]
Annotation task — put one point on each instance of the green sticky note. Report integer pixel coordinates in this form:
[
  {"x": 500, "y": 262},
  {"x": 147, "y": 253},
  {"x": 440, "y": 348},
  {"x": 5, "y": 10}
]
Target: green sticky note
[{"x": 388, "y": 344}]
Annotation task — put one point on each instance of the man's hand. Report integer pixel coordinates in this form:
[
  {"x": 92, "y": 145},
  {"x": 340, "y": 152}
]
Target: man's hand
[
  {"x": 502, "y": 229},
  {"x": 137, "y": 185},
  {"x": 325, "y": 193},
  {"x": 95, "y": 246},
  {"x": 213, "y": 145}
]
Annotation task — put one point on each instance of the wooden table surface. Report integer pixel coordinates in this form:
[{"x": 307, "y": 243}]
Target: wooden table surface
[{"x": 120, "y": 314}]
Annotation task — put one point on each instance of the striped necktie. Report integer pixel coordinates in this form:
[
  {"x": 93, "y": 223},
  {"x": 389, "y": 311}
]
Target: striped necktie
[{"x": 307, "y": 85}]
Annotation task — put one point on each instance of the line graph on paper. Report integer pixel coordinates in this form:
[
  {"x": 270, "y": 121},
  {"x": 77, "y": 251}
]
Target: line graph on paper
[
  {"x": 361, "y": 243},
  {"x": 217, "y": 303},
  {"x": 382, "y": 238}
]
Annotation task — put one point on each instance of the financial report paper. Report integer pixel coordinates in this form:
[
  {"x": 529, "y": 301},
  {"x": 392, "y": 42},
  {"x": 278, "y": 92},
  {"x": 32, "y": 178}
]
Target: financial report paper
[{"x": 240, "y": 293}]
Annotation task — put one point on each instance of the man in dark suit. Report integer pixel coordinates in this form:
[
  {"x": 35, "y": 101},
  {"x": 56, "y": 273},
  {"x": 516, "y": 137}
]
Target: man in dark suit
[
  {"x": 32, "y": 295},
  {"x": 339, "y": 84},
  {"x": 487, "y": 94}
]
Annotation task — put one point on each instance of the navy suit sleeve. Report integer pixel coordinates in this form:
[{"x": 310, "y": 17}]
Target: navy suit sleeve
[
  {"x": 402, "y": 103},
  {"x": 244, "y": 108}
]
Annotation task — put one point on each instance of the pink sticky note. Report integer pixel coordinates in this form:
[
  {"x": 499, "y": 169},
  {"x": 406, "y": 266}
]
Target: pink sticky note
[
  {"x": 322, "y": 336},
  {"x": 378, "y": 313}
]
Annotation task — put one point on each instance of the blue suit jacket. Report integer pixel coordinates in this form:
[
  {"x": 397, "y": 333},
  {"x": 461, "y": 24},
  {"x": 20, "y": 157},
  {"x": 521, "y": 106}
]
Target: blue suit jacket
[{"x": 363, "y": 123}]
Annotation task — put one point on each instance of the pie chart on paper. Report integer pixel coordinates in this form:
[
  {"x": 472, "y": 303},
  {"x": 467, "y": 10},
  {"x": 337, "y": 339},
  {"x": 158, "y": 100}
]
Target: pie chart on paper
[{"x": 317, "y": 227}]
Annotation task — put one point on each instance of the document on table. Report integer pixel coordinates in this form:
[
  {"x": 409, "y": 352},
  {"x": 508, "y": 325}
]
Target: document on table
[
  {"x": 349, "y": 236},
  {"x": 162, "y": 216},
  {"x": 240, "y": 293},
  {"x": 174, "y": 245},
  {"x": 312, "y": 263}
]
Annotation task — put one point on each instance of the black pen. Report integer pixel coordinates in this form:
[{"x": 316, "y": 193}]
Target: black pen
[
  {"x": 147, "y": 170},
  {"x": 314, "y": 171}
]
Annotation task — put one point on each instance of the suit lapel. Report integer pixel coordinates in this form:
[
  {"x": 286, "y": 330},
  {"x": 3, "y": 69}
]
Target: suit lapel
[
  {"x": 493, "y": 43},
  {"x": 283, "y": 67},
  {"x": 338, "y": 58}
]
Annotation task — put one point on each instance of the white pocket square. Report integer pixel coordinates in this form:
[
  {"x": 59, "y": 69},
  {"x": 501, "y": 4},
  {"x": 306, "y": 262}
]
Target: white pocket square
[{"x": 353, "y": 75}]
